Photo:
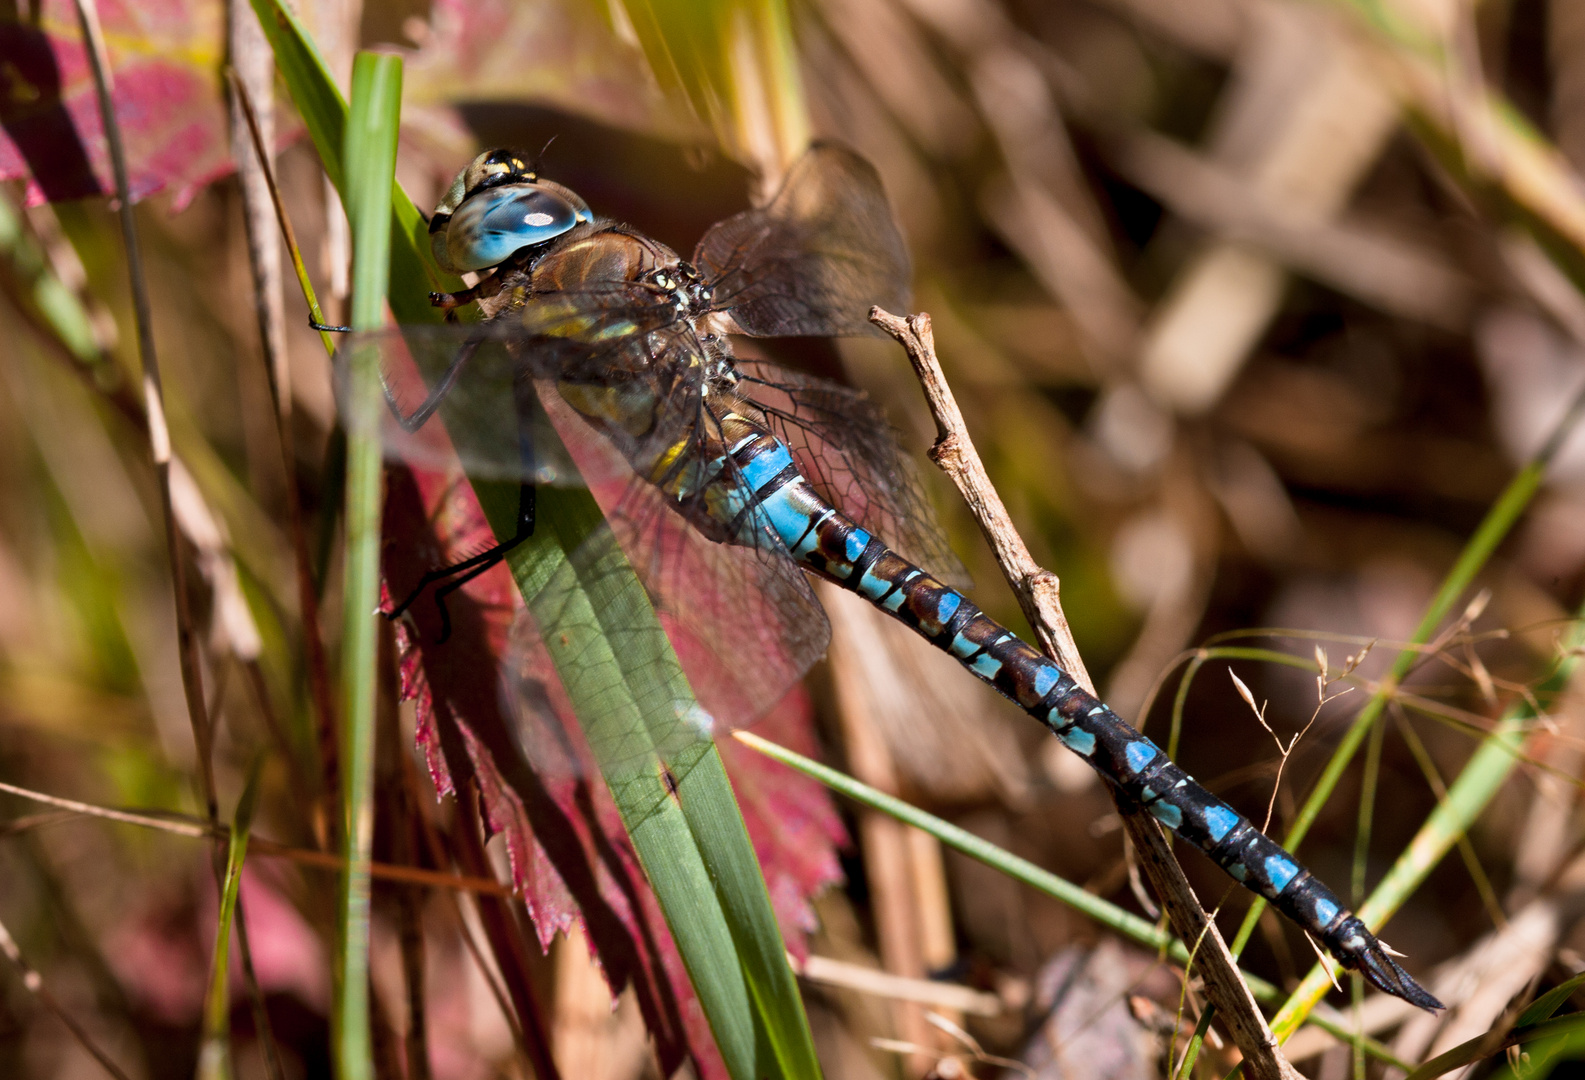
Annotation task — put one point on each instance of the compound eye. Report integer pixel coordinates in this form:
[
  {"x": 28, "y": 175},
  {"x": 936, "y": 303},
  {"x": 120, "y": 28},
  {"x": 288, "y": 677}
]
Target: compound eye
[{"x": 492, "y": 224}]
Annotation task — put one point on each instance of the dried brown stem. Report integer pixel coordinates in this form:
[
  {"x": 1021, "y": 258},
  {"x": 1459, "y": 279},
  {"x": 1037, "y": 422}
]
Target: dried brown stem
[
  {"x": 198, "y": 830},
  {"x": 153, "y": 407},
  {"x": 1037, "y": 589},
  {"x": 1038, "y": 596},
  {"x": 34, "y": 983},
  {"x": 275, "y": 368}
]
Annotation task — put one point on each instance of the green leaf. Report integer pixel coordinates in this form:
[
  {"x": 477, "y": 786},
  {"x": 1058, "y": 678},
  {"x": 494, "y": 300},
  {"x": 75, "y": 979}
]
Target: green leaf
[
  {"x": 370, "y": 151},
  {"x": 1550, "y": 1002},
  {"x": 324, "y": 113},
  {"x": 1564, "y": 1030},
  {"x": 214, "y": 1056}
]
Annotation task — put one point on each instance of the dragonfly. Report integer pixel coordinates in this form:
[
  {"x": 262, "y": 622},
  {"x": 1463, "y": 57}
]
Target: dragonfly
[{"x": 750, "y": 477}]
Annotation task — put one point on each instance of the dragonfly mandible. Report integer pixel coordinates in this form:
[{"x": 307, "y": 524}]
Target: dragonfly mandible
[{"x": 767, "y": 474}]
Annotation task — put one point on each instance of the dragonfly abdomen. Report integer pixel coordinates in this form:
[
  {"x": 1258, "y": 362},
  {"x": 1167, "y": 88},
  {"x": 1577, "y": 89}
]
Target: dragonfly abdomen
[{"x": 826, "y": 541}]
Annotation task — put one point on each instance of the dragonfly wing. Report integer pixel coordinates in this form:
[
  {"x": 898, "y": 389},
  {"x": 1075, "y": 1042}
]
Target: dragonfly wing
[
  {"x": 474, "y": 378},
  {"x": 847, "y": 448},
  {"x": 455, "y": 393},
  {"x": 599, "y": 330},
  {"x": 742, "y": 619},
  {"x": 813, "y": 261}
]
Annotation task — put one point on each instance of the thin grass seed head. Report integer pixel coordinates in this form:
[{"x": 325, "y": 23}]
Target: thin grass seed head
[
  {"x": 1475, "y": 608},
  {"x": 1353, "y": 660},
  {"x": 1479, "y": 673},
  {"x": 1327, "y": 963},
  {"x": 1249, "y": 698}
]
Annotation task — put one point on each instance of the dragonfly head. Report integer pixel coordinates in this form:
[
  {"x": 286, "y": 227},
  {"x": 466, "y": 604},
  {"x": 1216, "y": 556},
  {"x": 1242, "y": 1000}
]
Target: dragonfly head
[{"x": 496, "y": 207}]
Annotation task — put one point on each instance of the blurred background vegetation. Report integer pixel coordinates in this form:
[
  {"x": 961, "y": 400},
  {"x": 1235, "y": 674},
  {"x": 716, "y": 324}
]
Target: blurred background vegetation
[{"x": 1253, "y": 308}]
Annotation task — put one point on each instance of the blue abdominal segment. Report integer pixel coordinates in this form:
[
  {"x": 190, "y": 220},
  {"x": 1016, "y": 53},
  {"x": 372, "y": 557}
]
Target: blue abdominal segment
[{"x": 829, "y": 544}]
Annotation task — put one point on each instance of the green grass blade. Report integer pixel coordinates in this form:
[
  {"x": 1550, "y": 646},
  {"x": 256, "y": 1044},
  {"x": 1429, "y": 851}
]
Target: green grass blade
[
  {"x": 592, "y": 621},
  {"x": 214, "y": 1056},
  {"x": 1075, "y": 896},
  {"x": 1488, "y": 768},
  {"x": 1566, "y": 1033},
  {"x": 370, "y": 153},
  {"x": 1022, "y": 870},
  {"x": 1494, "y": 527},
  {"x": 1550, "y": 1002},
  {"x": 738, "y": 66},
  {"x": 324, "y": 113},
  {"x": 628, "y": 689},
  {"x": 53, "y": 304}
]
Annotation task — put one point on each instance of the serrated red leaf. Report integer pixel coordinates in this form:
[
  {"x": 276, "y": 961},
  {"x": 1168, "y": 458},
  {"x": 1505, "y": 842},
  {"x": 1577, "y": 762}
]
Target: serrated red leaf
[{"x": 571, "y": 859}]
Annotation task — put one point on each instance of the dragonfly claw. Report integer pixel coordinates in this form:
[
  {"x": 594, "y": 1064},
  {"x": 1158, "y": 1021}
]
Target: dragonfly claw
[{"x": 1364, "y": 954}]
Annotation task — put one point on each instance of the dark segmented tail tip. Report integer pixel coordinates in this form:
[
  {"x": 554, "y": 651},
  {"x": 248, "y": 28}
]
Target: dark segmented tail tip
[{"x": 1383, "y": 972}]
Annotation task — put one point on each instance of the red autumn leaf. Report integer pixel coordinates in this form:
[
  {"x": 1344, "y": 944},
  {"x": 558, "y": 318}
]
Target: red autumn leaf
[
  {"x": 570, "y": 857},
  {"x": 790, "y": 818},
  {"x": 165, "y": 69}
]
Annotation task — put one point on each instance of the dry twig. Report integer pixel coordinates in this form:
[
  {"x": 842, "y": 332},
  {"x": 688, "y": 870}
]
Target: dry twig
[
  {"x": 1038, "y": 595},
  {"x": 34, "y": 982}
]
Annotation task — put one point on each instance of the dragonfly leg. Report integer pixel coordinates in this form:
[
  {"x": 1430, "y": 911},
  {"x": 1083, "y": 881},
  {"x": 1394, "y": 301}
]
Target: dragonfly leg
[
  {"x": 416, "y": 419},
  {"x": 465, "y": 571},
  {"x": 489, "y": 286}
]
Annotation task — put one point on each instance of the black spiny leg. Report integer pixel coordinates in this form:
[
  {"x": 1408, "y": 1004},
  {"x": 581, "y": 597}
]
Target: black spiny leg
[
  {"x": 411, "y": 422},
  {"x": 465, "y": 571}
]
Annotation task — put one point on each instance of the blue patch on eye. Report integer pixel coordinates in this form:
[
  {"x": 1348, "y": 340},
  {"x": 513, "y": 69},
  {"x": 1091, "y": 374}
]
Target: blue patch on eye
[
  {"x": 1167, "y": 814},
  {"x": 1280, "y": 871},
  {"x": 1219, "y": 821},
  {"x": 492, "y": 224},
  {"x": 1325, "y": 912},
  {"x": 1140, "y": 752}
]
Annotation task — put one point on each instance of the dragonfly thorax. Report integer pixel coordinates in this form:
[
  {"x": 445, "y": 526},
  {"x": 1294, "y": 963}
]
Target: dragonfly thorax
[{"x": 689, "y": 291}]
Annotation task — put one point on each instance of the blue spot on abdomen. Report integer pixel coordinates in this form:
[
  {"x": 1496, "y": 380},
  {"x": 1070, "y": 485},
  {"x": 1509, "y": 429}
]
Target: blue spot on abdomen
[
  {"x": 1280, "y": 871},
  {"x": 1079, "y": 741},
  {"x": 858, "y": 540},
  {"x": 1167, "y": 814},
  {"x": 765, "y": 466},
  {"x": 1140, "y": 752},
  {"x": 1219, "y": 821}
]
